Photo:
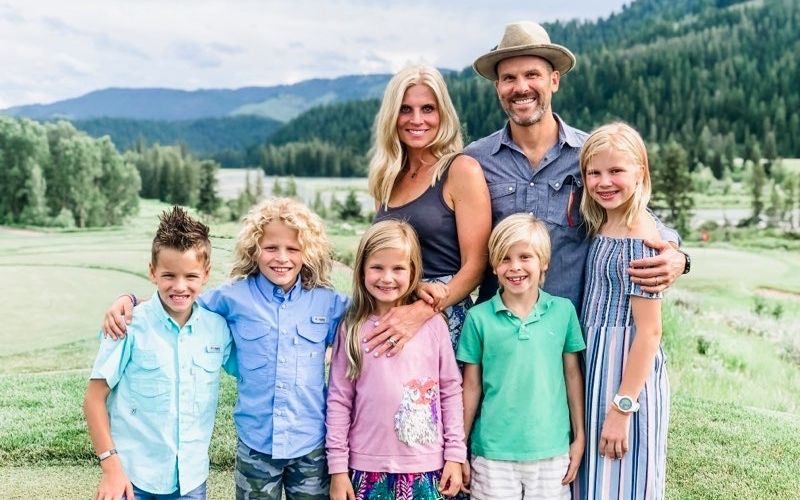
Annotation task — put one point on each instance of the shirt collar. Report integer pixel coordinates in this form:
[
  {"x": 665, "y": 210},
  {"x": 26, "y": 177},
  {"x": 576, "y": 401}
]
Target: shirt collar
[
  {"x": 163, "y": 316},
  {"x": 275, "y": 293},
  {"x": 566, "y": 134},
  {"x": 539, "y": 310}
]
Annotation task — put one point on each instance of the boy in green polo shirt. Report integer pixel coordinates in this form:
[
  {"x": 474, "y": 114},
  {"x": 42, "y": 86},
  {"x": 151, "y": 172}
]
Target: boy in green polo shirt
[{"x": 520, "y": 353}]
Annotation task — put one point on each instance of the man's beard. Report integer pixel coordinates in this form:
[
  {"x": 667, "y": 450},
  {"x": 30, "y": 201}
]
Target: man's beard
[{"x": 532, "y": 119}]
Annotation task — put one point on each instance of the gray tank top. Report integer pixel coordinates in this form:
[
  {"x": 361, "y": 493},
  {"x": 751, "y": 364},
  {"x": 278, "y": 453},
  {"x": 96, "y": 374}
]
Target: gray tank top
[{"x": 435, "y": 224}]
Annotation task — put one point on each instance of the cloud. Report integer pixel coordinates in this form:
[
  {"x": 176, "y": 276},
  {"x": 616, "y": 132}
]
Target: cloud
[{"x": 64, "y": 49}]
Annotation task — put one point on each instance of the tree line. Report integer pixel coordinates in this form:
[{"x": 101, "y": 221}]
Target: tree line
[{"x": 54, "y": 175}]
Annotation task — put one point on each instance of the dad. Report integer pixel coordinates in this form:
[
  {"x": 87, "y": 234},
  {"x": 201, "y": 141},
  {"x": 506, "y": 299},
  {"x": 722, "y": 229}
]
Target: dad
[{"x": 532, "y": 164}]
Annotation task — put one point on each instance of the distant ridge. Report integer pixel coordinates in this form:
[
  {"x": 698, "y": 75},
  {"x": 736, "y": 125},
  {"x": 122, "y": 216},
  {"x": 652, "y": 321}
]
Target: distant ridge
[{"x": 280, "y": 102}]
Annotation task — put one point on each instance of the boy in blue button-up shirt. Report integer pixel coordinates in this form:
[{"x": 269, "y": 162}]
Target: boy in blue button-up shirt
[{"x": 152, "y": 397}]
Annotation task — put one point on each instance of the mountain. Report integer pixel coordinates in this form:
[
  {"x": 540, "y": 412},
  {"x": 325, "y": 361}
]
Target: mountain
[
  {"x": 280, "y": 102},
  {"x": 203, "y": 137},
  {"x": 718, "y": 76}
]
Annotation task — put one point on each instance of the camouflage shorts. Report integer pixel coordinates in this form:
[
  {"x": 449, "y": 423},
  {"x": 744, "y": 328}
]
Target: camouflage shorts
[{"x": 260, "y": 477}]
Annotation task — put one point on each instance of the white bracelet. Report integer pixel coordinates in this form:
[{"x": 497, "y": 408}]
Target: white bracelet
[{"x": 106, "y": 454}]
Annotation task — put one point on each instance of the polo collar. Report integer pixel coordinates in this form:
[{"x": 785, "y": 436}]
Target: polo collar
[
  {"x": 166, "y": 319},
  {"x": 275, "y": 293},
  {"x": 539, "y": 310}
]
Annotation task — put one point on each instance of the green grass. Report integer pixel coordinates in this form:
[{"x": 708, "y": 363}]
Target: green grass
[{"x": 735, "y": 373}]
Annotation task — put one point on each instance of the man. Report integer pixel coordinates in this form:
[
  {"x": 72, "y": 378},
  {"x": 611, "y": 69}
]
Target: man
[{"x": 532, "y": 164}]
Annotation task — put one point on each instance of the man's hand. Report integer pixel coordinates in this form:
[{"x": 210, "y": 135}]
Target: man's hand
[
  {"x": 118, "y": 317},
  {"x": 114, "y": 484},
  {"x": 450, "y": 484},
  {"x": 341, "y": 487},
  {"x": 575, "y": 456},
  {"x": 397, "y": 327},
  {"x": 656, "y": 274}
]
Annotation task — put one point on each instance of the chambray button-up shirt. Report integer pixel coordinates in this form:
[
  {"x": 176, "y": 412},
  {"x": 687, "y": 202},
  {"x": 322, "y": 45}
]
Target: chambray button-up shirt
[
  {"x": 280, "y": 341},
  {"x": 165, "y": 385},
  {"x": 551, "y": 192}
]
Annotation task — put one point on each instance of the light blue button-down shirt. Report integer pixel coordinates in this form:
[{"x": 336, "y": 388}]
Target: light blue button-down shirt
[
  {"x": 280, "y": 341},
  {"x": 164, "y": 382}
]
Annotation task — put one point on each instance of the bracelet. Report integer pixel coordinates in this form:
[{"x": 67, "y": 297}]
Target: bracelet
[
  {"x": 131, "y": 296},
  {"x": 107, "y": 454}
]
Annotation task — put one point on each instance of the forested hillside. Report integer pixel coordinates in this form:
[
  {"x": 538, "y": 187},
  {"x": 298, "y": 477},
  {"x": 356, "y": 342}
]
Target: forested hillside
[
  {"x": 719, "y": 77},
  {"x": 225, "y": 139}
]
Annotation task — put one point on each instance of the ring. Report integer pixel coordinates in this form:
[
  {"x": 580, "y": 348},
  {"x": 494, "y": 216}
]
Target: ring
[{"x": 391, "y": 341}]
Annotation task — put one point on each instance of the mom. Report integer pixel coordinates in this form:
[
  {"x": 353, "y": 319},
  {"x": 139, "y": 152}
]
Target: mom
[{"x": 417, "y": 173}]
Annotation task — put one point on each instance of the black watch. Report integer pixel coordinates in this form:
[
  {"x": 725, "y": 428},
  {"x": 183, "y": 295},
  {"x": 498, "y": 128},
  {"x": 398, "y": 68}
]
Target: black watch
[{"x": 688, "y": 266}]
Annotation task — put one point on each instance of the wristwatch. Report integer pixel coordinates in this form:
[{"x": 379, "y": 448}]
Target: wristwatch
[
  {"x": 688, "y": 266},
  {"x": 106, "y": 454},
  {"x": 626, "y": 404}
]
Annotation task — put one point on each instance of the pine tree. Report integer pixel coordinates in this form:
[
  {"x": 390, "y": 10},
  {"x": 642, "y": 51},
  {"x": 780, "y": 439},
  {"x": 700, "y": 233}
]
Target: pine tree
[
  {"x": 758, "y": 179},
  {"x": 672, "y": 186},
  {"x": 207, "y": 199}
]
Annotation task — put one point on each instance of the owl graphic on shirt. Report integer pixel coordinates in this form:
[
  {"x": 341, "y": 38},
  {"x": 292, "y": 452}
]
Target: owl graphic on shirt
[{"x": 417, "y": 419}]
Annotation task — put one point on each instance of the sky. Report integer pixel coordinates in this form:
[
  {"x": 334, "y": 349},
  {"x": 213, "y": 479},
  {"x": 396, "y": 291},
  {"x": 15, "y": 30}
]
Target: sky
[{"x": 53, "y": 50}]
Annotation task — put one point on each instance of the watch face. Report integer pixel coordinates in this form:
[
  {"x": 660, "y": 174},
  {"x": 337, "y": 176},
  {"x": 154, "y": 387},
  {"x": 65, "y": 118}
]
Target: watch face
[{"x": 625, "y": 404}]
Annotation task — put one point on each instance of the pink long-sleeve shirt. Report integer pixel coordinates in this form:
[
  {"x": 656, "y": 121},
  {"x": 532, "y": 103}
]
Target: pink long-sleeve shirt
[{"x": 403, "y": 413}]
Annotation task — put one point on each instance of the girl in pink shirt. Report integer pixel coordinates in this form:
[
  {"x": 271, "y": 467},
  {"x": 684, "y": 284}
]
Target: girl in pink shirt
[{"x": 395, "y": 424}]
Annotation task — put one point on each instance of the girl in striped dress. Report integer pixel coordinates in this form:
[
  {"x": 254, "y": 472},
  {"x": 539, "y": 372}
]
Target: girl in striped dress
[{"x": 627, "y": 391}]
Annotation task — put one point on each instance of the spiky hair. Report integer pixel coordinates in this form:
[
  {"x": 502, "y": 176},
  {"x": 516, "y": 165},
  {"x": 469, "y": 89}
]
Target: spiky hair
[{"x": 179, "y": 231}]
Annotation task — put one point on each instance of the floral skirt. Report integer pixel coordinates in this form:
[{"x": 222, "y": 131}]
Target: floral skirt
[{"x": 396, "y": 486}]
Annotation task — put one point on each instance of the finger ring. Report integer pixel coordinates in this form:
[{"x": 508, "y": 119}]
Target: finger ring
[{"x": 391, "y": 341}]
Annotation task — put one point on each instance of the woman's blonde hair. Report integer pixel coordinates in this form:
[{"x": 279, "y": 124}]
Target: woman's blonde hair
[
  {"x": 383, "y": 235},
  {"x": 520, "y": 228},
  {"x": 622, "y": 138},
  {"x": 311, "y": 236},
  {"x": 388, "y": 154}
]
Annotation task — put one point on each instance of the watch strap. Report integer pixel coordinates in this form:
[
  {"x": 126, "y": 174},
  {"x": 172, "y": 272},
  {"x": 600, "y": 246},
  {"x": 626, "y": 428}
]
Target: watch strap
[
  {"x": 688, "y": 266},
  {"x": 107, "y": 454}
]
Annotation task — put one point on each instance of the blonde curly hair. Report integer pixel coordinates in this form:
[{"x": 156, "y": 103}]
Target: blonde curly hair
[{"x": 311, "y": 236}]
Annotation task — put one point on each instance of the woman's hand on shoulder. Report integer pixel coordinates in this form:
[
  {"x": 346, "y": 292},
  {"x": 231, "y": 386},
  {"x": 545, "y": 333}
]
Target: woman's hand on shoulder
[
  {"x": 341, "y": 487},
  {"x": 451, "y": 481},
  {"x": 434, "y": 294},
  {"x": 398, "y": 326}
]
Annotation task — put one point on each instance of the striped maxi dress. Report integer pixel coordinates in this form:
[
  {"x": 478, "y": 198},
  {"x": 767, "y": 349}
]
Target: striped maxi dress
[{"x": 609, "y": 329}]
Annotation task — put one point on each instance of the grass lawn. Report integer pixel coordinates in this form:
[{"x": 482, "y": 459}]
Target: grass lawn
[{"x": 733, "y": 365}]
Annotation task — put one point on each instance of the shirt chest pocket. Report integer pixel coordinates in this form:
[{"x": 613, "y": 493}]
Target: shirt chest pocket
[
  {"x": 504, "y": 200},
  {"x": 564, "y": 201},
  {"x": 255, "y": 348},
  {"x": 311, "y": 353},
  {"x": 149, "y": 383},
  {"x": 206, "y": 367}
]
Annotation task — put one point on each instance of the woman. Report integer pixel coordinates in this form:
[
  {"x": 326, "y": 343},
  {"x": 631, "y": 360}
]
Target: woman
[{"x": 417, "y": 173}]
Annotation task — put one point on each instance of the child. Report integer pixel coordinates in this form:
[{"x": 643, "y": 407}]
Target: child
[
  {"x": 152, "y": 397},
  {"x": 625, "y": 372},
  {"x": 394, "y": 423},
  {"x": 283, "y": 314},
  {"x": 520, "y": 350}
]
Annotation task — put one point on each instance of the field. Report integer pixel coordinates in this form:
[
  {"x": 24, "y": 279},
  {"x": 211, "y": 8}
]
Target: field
[{"x": 730, "y": 334}]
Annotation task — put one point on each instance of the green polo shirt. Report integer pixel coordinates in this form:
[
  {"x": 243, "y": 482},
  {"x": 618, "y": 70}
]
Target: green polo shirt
[{"x": 524, "y": 414}]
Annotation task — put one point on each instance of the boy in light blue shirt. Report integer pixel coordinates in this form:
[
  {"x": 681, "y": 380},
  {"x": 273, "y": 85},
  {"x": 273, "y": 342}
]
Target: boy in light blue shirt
[{"x": 152, "y": 397}]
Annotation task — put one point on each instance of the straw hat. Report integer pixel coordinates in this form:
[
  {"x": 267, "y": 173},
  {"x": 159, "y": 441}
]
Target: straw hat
[{"x": 524, "y": 38}]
